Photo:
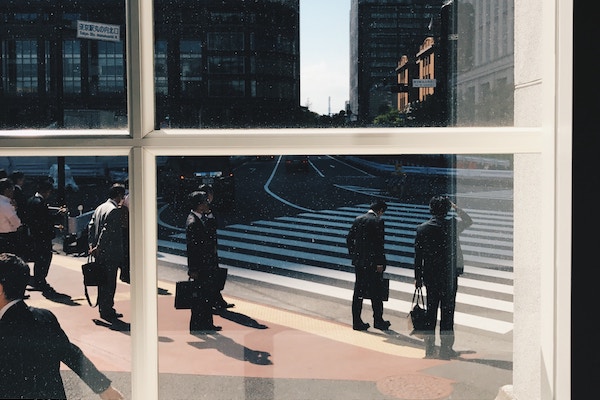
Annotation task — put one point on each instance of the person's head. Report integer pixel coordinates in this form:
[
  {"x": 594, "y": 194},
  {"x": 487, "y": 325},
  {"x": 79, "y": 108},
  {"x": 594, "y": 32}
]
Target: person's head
[
  {"x": 7, "y": 187},
  {"x": 208, "y": 189},
  {"x": 14, "y": 277},
  {"x": 379, "y": 206},
  {"x": 45, "y": 187},
  {"x": 439, "y": 205},
  {"x": 18, "y": 177},
  {"x": 117, "y": 192},
  {"x": 198, "y": 201}
]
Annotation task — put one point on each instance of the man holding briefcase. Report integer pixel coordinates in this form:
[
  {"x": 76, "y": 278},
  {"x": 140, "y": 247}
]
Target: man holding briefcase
[{"x": 203, "y": 260}]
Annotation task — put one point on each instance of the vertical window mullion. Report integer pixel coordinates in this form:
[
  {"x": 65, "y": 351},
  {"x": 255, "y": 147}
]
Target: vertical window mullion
[{"x": 140, "y": 105}]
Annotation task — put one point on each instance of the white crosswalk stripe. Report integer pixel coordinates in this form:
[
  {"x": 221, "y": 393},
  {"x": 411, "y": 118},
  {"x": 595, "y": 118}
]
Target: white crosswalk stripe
[{"x": 308, "y": 252}]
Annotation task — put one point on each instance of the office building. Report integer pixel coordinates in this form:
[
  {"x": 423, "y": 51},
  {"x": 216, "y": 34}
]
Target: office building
[
  {"x": 229, "y": 63},
  {"x": 381, "y": 31}
]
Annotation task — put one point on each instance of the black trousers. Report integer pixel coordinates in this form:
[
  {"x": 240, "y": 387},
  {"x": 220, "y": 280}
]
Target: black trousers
[
  {"x": 201, "y": 317},
  {"x": 106, "y": 291},
  {"x": 42, "y": 257},
  {"x": 367, "y": 285},
  {"x": 443, "y": 298}
]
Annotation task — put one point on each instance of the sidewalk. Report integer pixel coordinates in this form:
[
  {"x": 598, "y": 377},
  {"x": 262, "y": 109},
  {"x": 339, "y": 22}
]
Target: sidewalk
[{"x": 271, "y": 347}]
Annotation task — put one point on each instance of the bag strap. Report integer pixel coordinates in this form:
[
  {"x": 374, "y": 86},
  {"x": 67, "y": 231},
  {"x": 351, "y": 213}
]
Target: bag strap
[
  {"x": 418, "y": 294},
  {"x": 85, "y": 288},
  {"x": 87, "y": 296}
]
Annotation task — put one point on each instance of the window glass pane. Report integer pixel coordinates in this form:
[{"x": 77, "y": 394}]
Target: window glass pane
[
  {"x": 73, "y": 187},
  {"x": 62, "y": 69},
  {"x": 281, "y": 224},
  {"x": 384, "y": 63}
]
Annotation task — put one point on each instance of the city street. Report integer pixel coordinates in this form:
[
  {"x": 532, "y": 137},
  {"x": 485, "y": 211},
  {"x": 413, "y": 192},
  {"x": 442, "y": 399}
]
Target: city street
[
  {"x": 289, "y": 335},
  {"x": 275, "y": 344}
]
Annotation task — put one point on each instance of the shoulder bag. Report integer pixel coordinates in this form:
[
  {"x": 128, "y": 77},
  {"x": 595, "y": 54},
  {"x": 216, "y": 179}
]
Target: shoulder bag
[
  {"x": 417, "y": 317},
  {"x": 94, "y": 274}
]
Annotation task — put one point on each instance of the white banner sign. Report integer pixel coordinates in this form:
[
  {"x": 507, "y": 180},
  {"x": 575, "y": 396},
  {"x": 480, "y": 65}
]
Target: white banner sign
[
  {"x": 95, "y": 30},
  {"x": 423, "y": 82}
]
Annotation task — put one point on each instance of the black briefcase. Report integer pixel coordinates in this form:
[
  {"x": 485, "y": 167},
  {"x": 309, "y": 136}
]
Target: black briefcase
[
  {"x": 220, "y": 278},
  {"x": 187, "y": 294},
  {"x": 380, "y": 287}
]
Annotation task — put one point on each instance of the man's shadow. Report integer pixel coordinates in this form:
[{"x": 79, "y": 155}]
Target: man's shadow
[
  {"x": 116, "y": 325},
  {"x": 240, "y": 319},
  {"x": 415, "y": 339},
  {"x": 231, "y": 349},
  {"x": 56, "y": 297}
]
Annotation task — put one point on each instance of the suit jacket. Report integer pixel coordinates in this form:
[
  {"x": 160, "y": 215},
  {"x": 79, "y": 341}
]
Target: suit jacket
[
  {"x": 32, "y": 346},
  {"x": 105, "y": 230},
  {"x": 39, "y": 219},
  {"x": 438, "y": 253},
  {"x": 21, "y": 201},
  {"x": 365, "y": 241},
  {"x": 201, "y": 243}
]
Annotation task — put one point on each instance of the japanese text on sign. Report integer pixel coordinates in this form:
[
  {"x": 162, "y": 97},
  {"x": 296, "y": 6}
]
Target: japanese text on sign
[{"x": 95, "y": 30}]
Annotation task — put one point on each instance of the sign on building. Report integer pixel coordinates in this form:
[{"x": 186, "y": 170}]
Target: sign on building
[
  {"x": 423, "y": 82},
  {"x": 98, "y": 31}
]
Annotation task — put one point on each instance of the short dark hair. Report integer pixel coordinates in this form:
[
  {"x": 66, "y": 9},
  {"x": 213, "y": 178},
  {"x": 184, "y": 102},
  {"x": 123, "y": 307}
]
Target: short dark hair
[
  {"x": 45, "y": 185},
  {"x": 116, "y": 190},
  {"x": 378, "y": 205},
  {"x": 207, "y": 188},
  {"x": 5, "y": 183},
  {"x": 439, "y": 205},
  {"x": 14, "y": 275},
  {"x": 196, "y": 198},
  {"x": 17, "y": 175}
]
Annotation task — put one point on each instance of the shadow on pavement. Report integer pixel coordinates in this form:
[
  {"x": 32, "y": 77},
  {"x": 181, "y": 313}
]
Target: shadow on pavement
[
  {"x": 231, "y": 349},
  {"x": 502, "y": 364},
  {"x": 241, "y": 319},
  {"x": 62, "y": 299},
  {"x": 117, "y": 325}
]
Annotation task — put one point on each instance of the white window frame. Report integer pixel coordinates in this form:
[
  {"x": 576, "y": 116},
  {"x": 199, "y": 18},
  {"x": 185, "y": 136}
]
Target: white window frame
[{"x": 540, "y": 142}]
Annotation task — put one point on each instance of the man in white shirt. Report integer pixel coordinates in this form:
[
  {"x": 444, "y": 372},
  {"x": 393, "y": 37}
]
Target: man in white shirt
[{"x": 9, "y": 220}]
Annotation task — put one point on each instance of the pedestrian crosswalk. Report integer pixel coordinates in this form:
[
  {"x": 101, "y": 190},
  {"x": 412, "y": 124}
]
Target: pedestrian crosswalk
[{"x": 307, "y": 252}]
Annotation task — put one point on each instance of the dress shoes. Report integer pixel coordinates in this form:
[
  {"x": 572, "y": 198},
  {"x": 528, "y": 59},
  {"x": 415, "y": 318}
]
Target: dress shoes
[
  {"x": 363, "y": 326},
  {"x": 111, "y": 317},
  {"x": 209, "y": 328},
  {"x": 221, "y": 307},
  {"x": 448, "y": 354},
  {"x": 382, "y": 325}
]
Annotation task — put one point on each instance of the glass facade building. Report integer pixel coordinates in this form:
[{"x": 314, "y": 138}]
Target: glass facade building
[
  {"x": 217, "y": 64},
  {"x": 380, "y": 33}
]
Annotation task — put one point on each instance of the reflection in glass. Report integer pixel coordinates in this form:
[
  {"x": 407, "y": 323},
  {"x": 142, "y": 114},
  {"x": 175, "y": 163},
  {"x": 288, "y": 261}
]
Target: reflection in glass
[
  {"x": 62, "y": 69},
  {"x": 426, "y": 63},
  {"x": 245, "y": 66},
  {"x": 282, "y": 223},
  {"x": 234, "y": 64},
  {"x": 80, "y": 184}
]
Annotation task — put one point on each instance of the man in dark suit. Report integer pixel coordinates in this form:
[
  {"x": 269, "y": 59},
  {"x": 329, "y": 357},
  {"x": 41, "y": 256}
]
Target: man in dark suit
[
  {"x": 19, "y": 196},
  {"x": 40, "y": 221},
  {"x": 202, "y": 260},
  {"x": 33, "y": 344},
  {"x": 219, "y": 303},
  {"x": 438, "y": 263},
  {"x": 106, "y": 244},
  {"x": 365, "y": 242}
]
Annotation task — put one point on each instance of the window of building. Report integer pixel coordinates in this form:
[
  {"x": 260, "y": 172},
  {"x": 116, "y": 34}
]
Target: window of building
[
  {"x": 26, "y": 66},
  {"x": 111, "y": 67}
]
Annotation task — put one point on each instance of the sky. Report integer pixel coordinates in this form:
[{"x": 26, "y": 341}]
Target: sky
[{"x": 324, "y": 55}]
